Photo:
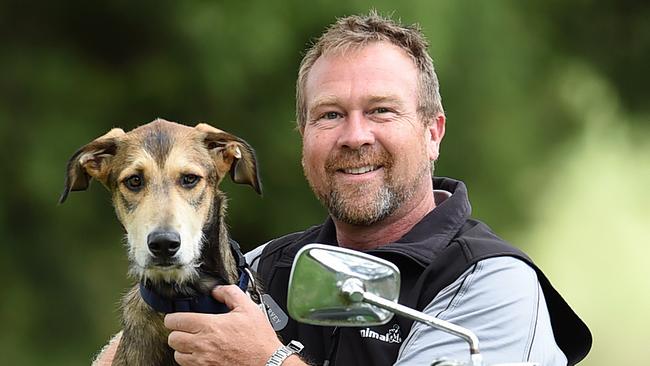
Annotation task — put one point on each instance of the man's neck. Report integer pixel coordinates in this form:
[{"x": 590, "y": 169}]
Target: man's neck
[{"x": 388, "y": 230}]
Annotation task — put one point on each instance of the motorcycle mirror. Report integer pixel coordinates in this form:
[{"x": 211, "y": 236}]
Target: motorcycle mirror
[
  {"x": 315, "y": 286},
  {"x": 334, "y": 286}
]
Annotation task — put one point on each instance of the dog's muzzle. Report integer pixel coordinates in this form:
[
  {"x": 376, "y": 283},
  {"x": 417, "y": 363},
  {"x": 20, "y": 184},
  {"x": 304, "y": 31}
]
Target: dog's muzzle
[{"x": 163, "y": 245}]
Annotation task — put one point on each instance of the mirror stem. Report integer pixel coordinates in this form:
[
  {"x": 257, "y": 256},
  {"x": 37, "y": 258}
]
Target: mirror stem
[{"x": 355, "y": 292}]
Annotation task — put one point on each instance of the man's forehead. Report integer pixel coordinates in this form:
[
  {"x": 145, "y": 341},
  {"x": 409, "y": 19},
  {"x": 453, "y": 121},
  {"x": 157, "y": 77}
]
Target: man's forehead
[
  {"x": 379, "y": 59},
  {"x": 331, "y": 99}
]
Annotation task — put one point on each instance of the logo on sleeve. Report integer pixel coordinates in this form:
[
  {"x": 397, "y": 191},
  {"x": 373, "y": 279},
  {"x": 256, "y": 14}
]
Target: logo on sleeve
[{"x": 392, "y": 336}]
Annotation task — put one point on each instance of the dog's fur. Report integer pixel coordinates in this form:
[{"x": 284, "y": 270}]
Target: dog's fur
[{"x": 164, "y": 177}]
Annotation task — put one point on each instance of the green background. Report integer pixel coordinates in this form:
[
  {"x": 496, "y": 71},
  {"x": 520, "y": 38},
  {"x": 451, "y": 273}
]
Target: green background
[{"x": 547, "y": 107}]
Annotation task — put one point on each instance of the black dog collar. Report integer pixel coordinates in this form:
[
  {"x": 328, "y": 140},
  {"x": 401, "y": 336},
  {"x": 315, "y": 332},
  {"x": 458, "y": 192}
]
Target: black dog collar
[{"x": 196, "y": 304}]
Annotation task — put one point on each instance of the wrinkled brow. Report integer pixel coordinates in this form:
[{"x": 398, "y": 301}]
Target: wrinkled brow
[
  {"x": 329, "y": 100},
  {"x": 334, "y": 101},
  {"x": 390, "y": 99}
]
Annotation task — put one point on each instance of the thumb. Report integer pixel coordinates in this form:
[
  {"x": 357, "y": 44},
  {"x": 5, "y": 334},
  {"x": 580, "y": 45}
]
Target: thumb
[{"x": 231, "y": 295}]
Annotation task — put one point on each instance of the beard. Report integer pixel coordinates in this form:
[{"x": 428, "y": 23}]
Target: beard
[{"x": 366, "y": 204}]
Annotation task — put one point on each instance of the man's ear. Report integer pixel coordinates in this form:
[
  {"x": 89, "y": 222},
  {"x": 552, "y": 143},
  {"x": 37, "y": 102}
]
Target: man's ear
[
  {"x": 91, "y": 161},
  {"x": 436, "y": 130},
  {"x": 231, "y": 154}
]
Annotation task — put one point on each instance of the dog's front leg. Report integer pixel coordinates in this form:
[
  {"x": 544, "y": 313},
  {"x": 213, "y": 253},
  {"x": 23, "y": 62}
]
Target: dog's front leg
[{"x": 144, "y": 340}]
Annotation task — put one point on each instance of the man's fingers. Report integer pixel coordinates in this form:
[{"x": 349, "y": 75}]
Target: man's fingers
[
  {"x": 231, "y": 295},
  {"x": 183, "y": 359},
  {"x": 186, "y": 322},
  {"x": 182, "y": 341}
]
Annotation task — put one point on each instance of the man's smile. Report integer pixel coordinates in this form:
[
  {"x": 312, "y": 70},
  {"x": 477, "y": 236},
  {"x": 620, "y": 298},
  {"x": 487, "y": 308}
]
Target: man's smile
[{"x": 360, "y": 170}]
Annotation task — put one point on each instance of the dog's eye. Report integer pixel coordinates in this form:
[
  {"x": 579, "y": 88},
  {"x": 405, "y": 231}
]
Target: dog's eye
[
  {"x": 133, "y": 182},
  {"x": 189, "y": 180}
]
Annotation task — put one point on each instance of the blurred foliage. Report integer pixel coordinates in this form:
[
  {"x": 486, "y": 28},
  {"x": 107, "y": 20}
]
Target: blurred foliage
[{"x": 547, "y": 123}]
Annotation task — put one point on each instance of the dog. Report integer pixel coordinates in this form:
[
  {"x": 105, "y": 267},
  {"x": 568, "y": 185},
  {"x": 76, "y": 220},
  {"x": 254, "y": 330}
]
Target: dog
[{"x": 164, "y": 179}]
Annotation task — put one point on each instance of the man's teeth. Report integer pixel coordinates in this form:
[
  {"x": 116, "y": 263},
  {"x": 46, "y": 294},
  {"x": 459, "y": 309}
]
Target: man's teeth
[{"x": 360, "y": 170}]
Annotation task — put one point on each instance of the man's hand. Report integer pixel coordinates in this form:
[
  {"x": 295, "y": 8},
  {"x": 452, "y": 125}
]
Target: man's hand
[{"x": 241, "y": 337}]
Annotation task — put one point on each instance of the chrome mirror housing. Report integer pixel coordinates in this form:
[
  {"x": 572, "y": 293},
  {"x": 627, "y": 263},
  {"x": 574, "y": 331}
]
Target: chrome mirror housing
[{"x": 318, "y": 276}]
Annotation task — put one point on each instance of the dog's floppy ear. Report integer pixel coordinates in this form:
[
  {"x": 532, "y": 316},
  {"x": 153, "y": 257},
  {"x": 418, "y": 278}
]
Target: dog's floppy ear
[
  {"x": 90, "y": 161},
  {"x": 233, "y": 155}
]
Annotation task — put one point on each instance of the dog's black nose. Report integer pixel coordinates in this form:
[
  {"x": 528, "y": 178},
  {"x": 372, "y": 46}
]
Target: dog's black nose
[{"x": 164, "y": 244}]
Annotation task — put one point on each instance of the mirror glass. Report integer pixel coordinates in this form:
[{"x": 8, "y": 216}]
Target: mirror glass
[{"x": 319, "y": 270}]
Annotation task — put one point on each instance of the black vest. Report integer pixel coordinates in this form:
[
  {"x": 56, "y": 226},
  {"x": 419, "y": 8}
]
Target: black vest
[{"x": 431, "y": 256}]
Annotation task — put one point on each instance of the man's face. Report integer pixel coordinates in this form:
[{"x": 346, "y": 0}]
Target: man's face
[{"x": 366, "y": 152}]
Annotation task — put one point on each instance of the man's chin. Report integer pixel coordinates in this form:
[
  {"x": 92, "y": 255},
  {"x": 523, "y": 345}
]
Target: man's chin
[
  {"x": 355, "y": 191},
  {"x": 360, "y": 210}
]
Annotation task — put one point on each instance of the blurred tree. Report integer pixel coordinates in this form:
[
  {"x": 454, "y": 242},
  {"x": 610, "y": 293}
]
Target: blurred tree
[{"x": 74, "y": 69}]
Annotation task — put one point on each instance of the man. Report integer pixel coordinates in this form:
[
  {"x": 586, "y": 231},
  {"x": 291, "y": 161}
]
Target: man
[{"x": 371, "y": 120}]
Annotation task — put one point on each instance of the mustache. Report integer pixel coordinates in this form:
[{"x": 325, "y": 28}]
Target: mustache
[{"x": 347, "y": 158}]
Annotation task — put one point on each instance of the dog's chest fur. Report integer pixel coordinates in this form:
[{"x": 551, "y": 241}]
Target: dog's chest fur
[{"x": 144, "y": 338}]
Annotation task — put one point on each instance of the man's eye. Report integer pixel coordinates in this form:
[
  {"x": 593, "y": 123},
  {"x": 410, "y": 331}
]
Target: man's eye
[
  {"x": 134, "y": 182},
  {"x": 331, "y": 115},
  {"x": 381, "y": 110},
  {"x": 189, "y": 180}
]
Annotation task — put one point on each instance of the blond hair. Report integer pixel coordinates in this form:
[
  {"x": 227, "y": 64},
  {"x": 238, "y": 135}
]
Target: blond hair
[{"x": 357, "y": 31}]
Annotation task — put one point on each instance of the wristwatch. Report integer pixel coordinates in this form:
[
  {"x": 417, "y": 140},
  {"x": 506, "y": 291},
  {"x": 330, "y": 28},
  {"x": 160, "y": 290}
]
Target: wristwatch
[{"x": 283, "y": 352}]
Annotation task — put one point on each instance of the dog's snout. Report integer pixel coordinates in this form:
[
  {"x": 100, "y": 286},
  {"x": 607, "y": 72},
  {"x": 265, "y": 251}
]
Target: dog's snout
[{"x": 164, "y": 244}]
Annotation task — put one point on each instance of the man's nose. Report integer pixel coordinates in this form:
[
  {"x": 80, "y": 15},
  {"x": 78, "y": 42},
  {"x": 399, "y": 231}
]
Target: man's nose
[{"x": 357, "y": 131}]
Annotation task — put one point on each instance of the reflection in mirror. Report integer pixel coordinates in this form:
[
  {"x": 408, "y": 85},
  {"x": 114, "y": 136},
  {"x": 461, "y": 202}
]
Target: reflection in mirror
[
  {"x": 352, "y": 265},
  {"x": 317, "y": 275}
]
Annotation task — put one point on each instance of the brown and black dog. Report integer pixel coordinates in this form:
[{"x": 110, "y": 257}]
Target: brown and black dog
[{"x": 164, "y": 180}]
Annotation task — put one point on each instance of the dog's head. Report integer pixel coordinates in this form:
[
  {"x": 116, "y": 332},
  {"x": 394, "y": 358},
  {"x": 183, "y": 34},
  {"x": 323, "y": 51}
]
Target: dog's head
[{"x": 164, "y": 180}]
